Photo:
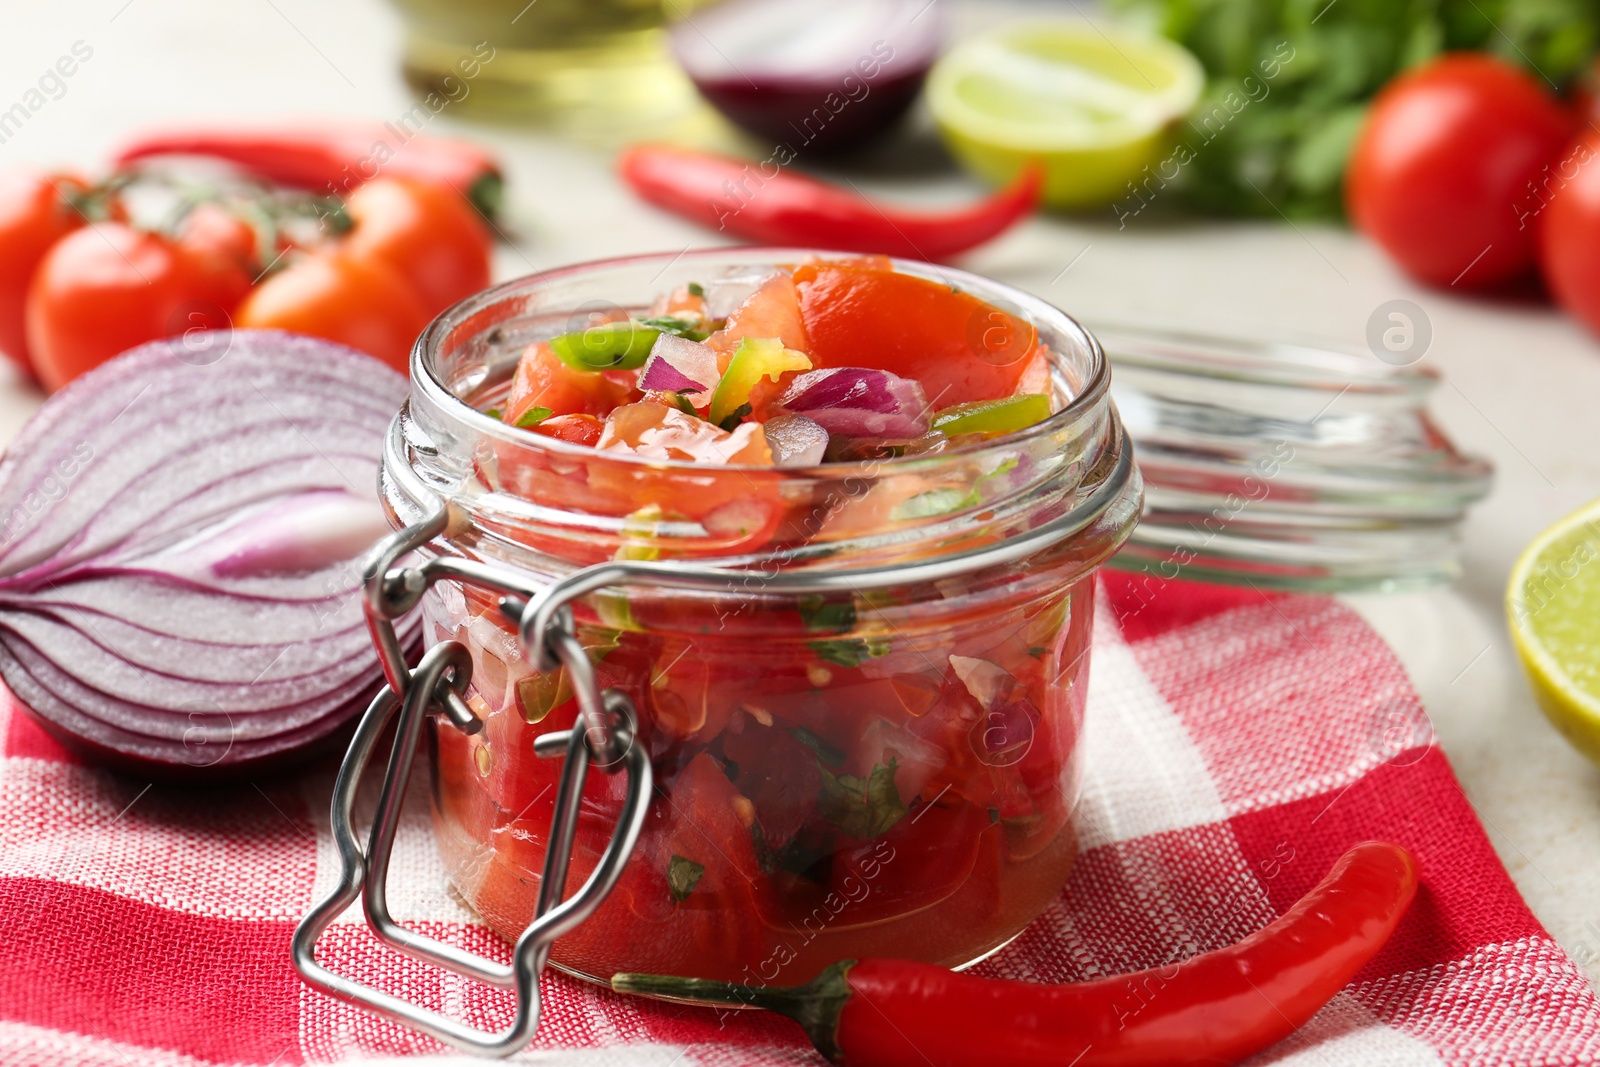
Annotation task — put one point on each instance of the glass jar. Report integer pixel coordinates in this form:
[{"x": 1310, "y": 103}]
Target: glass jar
[{"x": 887, "y": 769}]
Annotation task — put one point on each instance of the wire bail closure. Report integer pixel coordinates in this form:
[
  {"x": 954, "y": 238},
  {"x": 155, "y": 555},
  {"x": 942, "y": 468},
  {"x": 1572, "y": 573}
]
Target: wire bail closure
[{"x": 604, "y": 737}]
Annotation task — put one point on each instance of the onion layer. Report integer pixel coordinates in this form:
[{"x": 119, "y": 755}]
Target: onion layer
[
  {"x": 860, "y": 402},
  {"x": 178, "y": 576}
]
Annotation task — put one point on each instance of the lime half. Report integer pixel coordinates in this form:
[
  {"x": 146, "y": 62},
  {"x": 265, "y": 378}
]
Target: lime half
[
  {"x": 1093, "y": 104},
  {"x": 1553, "y": 608}
]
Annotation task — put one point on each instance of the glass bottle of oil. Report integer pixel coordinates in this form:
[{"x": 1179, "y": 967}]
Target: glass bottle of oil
[{"x": 595, "y": 66}]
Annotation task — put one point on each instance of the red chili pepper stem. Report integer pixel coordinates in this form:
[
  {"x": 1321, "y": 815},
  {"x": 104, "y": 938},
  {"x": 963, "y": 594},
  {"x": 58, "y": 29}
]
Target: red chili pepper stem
[{"x": 815, "y": 1006}]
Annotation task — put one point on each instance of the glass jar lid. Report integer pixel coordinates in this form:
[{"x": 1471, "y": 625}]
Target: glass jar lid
[{"x": 1288, "y": 465}]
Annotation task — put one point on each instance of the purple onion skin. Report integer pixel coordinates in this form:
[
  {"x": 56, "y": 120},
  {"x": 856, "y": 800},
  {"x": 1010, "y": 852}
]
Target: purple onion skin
[
  {"x": 224, "y": 774},
  {"x": 791, "y": 111}
]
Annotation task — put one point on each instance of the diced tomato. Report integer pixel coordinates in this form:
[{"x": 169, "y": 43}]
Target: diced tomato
[
  {"x": 694, "y": 842},
  {"x": 579, "y": 429},
  {"x": 778, "y": 773},
  {"x": 463, "y": 800},
  {"x": 683, "y": 703},
  {"x": 771, "y": 311},
  {"x": 663, "y": 432},
  {"x": 924, "y": 858},
  {"x": 543, "y": 381},
  {"x": 680, "y": 302},
  {"x": 959, "y": 347}
]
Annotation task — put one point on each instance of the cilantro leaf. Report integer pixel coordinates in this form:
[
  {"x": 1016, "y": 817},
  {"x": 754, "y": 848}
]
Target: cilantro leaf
[
  {"x": 823, "y": 751},
  {"x": 735, "y": 417},
  {"x": 676, "y": 326},
  {"x": 696, "y": 289},
  {"x": 827, "y": 616},
  {"x": 850, "y": 651},
  {"x": 682, "y": 876},
  {"x": 533, "y": 417},
  {"x": 862, "y": 809}
]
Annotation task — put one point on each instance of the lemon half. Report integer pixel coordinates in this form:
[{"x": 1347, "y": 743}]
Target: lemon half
[
  {"x": 1093, "y": 104},
  {"x": 1553, "y": 608}
]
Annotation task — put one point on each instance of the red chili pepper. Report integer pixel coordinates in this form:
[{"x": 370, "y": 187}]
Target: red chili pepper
[
  {"x": 1215, "y": 1009},
  {"x": 335, "y": 158},
  {"x": 783, "y": 208}
]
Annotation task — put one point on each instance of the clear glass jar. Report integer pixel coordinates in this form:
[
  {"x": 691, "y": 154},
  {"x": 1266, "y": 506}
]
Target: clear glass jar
[{"x": 890, "y": 771}]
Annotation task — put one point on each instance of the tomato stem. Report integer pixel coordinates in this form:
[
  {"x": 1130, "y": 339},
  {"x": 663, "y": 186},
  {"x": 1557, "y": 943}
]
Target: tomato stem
[{"x": 815, "y": 1005}]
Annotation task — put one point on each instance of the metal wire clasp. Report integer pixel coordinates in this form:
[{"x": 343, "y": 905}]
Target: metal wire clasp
[{"x": 605, "y": 735}]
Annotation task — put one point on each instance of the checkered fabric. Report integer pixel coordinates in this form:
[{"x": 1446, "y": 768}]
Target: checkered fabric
[{"x": 1236, "y": 745}]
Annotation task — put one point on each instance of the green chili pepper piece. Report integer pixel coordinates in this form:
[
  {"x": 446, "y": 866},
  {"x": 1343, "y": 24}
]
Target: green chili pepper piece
[
  {"x": 609, "y": 346},
  {"x": 994, "y": 416},
  {"x": 754, "y": 359}
]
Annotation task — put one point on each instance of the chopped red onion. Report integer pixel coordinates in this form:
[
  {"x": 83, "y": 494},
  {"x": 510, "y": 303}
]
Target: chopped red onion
[
  {"x": 679, "y": 365},
  {"x": 178, "y": 584},
  {"x": 860, "y": 402},
  {"x": 795, "y": 440}
]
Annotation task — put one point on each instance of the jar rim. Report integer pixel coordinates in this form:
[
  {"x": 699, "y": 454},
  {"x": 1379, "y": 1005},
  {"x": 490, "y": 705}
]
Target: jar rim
[{"x": 1086, "y": 396}]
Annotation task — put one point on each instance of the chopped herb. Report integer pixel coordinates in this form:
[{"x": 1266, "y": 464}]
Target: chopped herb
[
  {"x": 994, "y": 815},
  {"x": 821, "y": 615},
  {"x": 851, "y": 651},
  {"x": 682, "y": 876},
  {"x": 862, "y": 809},
  {"x": 735, "y": 417},
  {"x": 696, "y": 289},
  {"x": 533, "y": 417},
  {"x": 683, "y": 403},
  {"x": 678, "y": 327},
  {"x": 820, "y": 748},
  {"x": 934, "y": 502},
  {"x": 1037, "y": 651},
  {"x": 494, "y": 413},
  {"x": 799, "y": 856}
]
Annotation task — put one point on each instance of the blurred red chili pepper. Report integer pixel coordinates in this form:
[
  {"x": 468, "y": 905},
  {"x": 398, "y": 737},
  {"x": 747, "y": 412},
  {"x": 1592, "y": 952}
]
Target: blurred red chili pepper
[
  {"x": 1215, "y": 1009},
  {"x": 783, "y": 208},
  {"x": 336, "y": 157}
]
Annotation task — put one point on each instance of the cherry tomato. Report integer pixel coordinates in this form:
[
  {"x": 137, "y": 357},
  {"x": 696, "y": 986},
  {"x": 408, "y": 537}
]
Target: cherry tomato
[
  {"x": 1569, "y": 232},
  {"x": 960, "y": 348},
  {"x": 109, "y": 287},
  {"x": 33, "y": 216},
  {"x": 429, "y": 233},
  {"x": 343, "y": 296},
  {"x": 223, "y": 242},
  {"x": 1443, "y": 173}
]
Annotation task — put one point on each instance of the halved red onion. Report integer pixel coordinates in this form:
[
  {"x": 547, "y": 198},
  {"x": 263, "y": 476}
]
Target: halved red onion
[
  {"x": 816, "y": 75},
  {"x": 679, "y": 365},
  {"x": 795, "y": 440},
  {"x": 178, "y": 543},
  {"x": 860, "y": 402}
]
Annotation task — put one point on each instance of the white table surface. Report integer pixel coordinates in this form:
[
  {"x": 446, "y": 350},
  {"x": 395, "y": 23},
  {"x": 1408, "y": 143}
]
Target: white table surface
[{"x": 1522, "y": 382}]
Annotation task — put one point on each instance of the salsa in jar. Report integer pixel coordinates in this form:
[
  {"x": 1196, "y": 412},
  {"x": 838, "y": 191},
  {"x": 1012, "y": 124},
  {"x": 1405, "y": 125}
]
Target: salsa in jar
[{"x": 884, "y": 766}]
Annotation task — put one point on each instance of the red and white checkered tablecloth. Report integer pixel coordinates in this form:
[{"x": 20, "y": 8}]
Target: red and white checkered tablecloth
[{"x": 1236, "y": 745}]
